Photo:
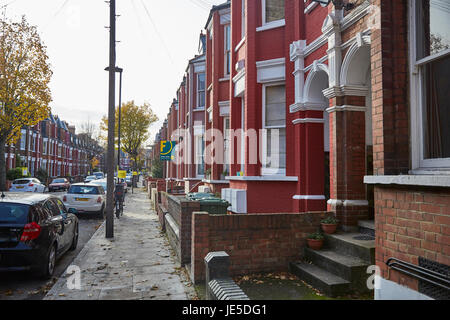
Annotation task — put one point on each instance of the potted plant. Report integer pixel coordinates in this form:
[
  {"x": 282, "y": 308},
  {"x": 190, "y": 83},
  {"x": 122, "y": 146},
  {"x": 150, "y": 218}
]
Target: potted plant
[
  {"x": 315, "y": 241},
  {"x": 329, "y": 225},
  {"x": 223, "y": 175}
]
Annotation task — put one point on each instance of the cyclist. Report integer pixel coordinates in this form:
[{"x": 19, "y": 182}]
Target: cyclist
[{"x": 119, "y": 198}]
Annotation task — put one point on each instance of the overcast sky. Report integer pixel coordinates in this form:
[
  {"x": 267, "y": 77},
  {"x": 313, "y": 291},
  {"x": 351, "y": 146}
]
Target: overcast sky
[{"x": 154, "y": 50}]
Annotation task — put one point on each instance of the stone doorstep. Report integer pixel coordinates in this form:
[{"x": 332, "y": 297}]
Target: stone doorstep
[{"x": 320, "y": 279}]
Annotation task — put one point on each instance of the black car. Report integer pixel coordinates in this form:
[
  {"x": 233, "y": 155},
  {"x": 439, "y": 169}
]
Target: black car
[{"x": 35, "y": 230}]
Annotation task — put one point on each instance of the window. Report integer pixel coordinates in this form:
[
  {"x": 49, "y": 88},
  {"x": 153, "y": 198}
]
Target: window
[
  {"x": 227, "y": 59},
  {"x": 201, "y": 91},
  {"x": 44, "y": 147},
  {"x": 23, "y": 140},
  {"x": 273, "y": 10},
  {"x": 274, "y": 129},
  {"x": 226, "y": 144},
  {"x": 199, "y": 160},
  {"x": 430, "y": 54}
]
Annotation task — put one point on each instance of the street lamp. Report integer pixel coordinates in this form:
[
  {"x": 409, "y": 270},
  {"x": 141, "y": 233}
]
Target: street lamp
[{"x": 119, "y": 70}]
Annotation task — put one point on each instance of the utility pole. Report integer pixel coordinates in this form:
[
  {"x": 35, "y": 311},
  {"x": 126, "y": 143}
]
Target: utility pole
[
  {"x": 111, "y": 122},
  {"x": 120, "y": 117}
]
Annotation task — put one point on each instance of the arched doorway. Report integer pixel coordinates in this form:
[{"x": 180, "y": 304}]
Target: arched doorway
[{"x": 356, "y": 78}]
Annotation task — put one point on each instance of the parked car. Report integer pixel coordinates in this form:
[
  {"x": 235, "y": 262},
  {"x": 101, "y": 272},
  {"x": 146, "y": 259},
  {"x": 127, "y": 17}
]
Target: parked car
[
  {"x": 90, "y": 179},
  {"x": 86, "y": 198},
  {"x": 27, "y": 185},
  {"x": 99, "y": 175},
  {"x": 59, "y": 184},
  {"x": 35, "y": 230},
  {"x": 101, "y": 182},
  {"x": 129, "y": 180}
]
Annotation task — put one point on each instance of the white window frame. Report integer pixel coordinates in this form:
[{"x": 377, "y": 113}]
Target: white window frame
[
  {"x": 44, "y": 146},
  {"x": 272, "y": 24},
  {"x": 23, "y": 140},
  {"x": 227, "y": 51},
  {"x": 226, "y": 144},
  {"x": 198, "y": 107},
  {"x": 264, "y": 170},
  {"x": 419, "y": 163},
  {"x": 198, "y": 156}
]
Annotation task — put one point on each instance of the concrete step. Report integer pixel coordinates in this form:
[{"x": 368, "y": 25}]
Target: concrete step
[
  {"x": 346, "y": 244},
  {"x": 350, "y": 268},
  {"x": 367, "y": 227},
  {"x": 324, "y": 281}
]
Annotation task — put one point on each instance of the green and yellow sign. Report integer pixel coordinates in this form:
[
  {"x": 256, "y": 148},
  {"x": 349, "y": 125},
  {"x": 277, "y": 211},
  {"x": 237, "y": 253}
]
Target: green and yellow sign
[{"x": 167, "y": 149}]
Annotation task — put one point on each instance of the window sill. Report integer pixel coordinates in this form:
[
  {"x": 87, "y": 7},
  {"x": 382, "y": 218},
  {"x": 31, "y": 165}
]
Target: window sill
[
  {"x": 441, "y": 180},
  {"x": 271, "y": 25},
  {"x": 263, "y": 178}
]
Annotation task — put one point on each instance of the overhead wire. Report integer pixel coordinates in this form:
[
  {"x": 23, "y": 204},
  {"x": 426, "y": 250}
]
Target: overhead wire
[
  {"x": 55, "y": 15},
  {"x": 157, "y": 31}
]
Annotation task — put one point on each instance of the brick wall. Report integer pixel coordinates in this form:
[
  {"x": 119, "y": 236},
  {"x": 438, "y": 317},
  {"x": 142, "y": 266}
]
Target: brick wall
[
  {"x": 411, "y": 223},
  {"x": 389, "y": 65},
  {"x": 255, "y": 243},
  {"x": 180, "y": 209}
]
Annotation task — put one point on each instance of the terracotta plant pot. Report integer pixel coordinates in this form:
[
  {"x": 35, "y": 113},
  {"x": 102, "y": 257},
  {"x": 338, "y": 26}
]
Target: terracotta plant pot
[
  {"x": 329, "y": 228},
  {"x": 315, "y": 244}
]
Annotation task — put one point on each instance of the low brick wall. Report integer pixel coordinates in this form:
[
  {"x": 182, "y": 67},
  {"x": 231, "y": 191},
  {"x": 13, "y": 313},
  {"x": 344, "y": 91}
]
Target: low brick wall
[
  {"x": 178, "y": 225},
  {"x": 255, "y": 242},
  {"x": 411, "y": 223}
]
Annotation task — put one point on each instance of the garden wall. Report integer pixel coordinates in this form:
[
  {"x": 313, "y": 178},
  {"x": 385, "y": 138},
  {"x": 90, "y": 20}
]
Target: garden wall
[{"x": 255, "y": 242}]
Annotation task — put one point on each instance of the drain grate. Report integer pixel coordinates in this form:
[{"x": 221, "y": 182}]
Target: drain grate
[
  {"x": 364, "y": 237},
  {"x": 429, "y": 289}
]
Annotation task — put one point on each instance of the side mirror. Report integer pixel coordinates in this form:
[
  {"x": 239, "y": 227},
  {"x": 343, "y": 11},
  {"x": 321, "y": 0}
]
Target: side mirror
[{"x": 73, "y": 211}]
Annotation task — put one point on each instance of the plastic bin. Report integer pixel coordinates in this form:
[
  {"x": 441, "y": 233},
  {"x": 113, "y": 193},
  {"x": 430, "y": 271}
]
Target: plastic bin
[{"x": 214, "y": 205}]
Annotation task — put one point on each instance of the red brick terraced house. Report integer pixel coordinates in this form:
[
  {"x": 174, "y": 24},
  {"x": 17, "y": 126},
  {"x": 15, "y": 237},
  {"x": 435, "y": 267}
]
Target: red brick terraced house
[
  {"x": 355, "y": 94},
  {"x": 218, "y": 71},
  {"x": 53, "y": 146}
]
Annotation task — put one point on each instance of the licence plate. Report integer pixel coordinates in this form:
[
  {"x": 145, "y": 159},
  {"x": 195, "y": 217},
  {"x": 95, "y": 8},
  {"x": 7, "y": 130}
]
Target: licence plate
[
  {"x": 82, "y": 199},
  {"x": 20, "y": 187}
]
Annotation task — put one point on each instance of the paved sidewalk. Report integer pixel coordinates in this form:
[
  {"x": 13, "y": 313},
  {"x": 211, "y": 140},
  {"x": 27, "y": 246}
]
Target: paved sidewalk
[{"x": 138, "y": 264}]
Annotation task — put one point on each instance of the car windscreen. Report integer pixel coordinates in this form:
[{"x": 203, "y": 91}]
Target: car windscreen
[
  {"x": 13, "y": 213},
  {"x": 21, "y": 181},
  {"x": 83, "y": 190},
  {"x": 58, "y": 181}
]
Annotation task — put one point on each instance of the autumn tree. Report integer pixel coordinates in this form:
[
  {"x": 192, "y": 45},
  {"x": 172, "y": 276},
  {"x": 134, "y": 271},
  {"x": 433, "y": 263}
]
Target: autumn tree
[
  {"x": 135, "y": 122},
  {"x": 25, "y": 75}
]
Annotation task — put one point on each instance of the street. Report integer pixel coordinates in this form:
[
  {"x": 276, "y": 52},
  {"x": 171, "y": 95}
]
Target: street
[{"x": 26, "y": 286}]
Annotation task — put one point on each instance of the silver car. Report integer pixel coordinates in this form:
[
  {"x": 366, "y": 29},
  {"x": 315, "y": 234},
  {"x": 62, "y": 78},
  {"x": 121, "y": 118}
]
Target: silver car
[
  {"x": 27, "y": 185},
  {"x": 86, "y": 198}
]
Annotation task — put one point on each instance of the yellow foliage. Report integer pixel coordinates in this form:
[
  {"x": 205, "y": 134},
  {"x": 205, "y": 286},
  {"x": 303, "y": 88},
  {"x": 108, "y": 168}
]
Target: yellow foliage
[
  {"x": 135, "y": 123},
  {"x": 25, "y": 75},
  {"x": 94, "y": 163}
]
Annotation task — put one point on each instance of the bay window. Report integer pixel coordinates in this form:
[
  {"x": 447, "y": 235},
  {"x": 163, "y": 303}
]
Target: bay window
[
  {"x": 430, "y": 83},
  {"x": 274, "y": 130}
]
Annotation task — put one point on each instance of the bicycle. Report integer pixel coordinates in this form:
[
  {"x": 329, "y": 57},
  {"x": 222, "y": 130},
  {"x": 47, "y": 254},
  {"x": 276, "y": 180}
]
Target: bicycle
[{"x": 119, "y": 200}]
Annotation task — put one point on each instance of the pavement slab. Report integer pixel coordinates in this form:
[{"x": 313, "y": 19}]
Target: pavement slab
[{"x": 138, "y": 264}]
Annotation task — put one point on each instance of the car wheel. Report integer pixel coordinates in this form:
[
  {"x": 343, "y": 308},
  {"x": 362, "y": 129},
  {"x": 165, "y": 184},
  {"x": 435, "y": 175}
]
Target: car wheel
[
  {"x": 48, "y": 268},
  {"x": 75, "y": 239}
]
